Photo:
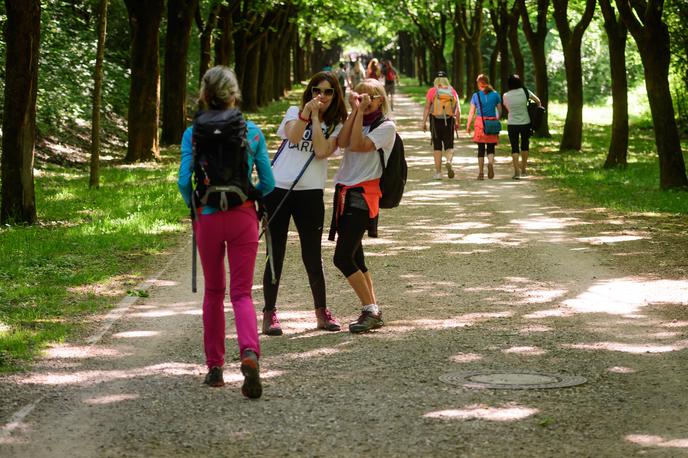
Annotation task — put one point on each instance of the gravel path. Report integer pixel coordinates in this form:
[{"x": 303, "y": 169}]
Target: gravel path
[{"x": 471, "y": 276}]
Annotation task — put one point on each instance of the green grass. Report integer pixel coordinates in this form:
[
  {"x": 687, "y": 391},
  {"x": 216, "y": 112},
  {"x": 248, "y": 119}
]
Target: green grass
[
  {"x": 91, "y": 247},
  {"x": 634, "y": 189},
  {"x": 87, "y": 242}
]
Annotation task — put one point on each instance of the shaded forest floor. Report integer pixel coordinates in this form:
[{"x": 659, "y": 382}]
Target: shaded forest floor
[{"x": 471, "y": 276}]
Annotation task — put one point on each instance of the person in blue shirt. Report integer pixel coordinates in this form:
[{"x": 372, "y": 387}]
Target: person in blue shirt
[
  {"x": 485, "y": 104},
  {"x": 233, "y": 231}
]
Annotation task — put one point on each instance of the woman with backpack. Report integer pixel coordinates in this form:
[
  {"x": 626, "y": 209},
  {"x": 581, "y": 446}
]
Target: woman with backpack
[
  {"x": 309, "y": 133},
  {"x": 232, "y": 230},
  {"x": 518, "y": 122},
  {"x": 391, "y": 78},
  {"x": 357, "y": 192},
  {"x": 442, "y": 107},
  {"x": 488, "y": 102}
]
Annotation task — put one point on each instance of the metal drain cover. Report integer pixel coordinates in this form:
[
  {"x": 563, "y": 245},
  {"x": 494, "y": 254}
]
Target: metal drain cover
[{"x": 511, "y": 380}]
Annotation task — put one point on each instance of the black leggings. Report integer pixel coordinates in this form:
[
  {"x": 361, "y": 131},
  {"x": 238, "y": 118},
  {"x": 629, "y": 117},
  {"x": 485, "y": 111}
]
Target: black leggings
[
  {"x": 308, "y": 210},
  {"x": 490, "y": 149},
  {"x": 348, "y": 255},
  {"x": 515, "y": 131}
]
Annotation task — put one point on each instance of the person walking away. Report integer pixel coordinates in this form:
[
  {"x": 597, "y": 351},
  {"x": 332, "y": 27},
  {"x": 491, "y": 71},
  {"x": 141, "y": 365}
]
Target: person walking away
[
  {"x": 342, "y": 78},
  {"x": 374, "y": 70},
  {"x": 518, "y": 122},
  {"x": 357, "y": 192},
  {"x": 356, "y": 75},
  {"x": 309, "y": 129},
  {"x": 391, "y": 77},
  {"x": 485, "y": 104},
  {"x": 225, "y": 222},
  {"x": 443, "y": 109}
]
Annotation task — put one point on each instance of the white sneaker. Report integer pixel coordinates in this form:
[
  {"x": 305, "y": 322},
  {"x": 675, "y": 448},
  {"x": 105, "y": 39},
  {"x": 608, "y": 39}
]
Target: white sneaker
[{"x": 437, "y": 176}]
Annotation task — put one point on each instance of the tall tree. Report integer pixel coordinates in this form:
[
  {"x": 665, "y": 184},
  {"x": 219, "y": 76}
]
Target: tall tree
[
  {"x": 514, "y": 44},
  {"x": 94, "y": 176},
  {"x": 617, "y": 34},
  {"x": 22, "y": 35},
  {"x": 144, "y": 94},
  {"x": 180, "y": 14},
  {"x": 536, "y": 42},
  {"x": 499, "y": 15},
  {"x": 206, "y": 35},
  {"x": 644, "y": 20},
  {"x": 571, "y": 40},
  {"x": 468, "y": 23},
  {"x": 430, "y": 20}
]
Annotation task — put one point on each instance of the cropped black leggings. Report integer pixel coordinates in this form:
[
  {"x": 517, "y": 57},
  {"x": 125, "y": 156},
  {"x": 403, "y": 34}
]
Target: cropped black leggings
[
  {"x": 490, "y": 149},
  {"x": 308, "y": 210},
  {"x": 348, "y": 254},
  {"x": 514, "y": 132}
]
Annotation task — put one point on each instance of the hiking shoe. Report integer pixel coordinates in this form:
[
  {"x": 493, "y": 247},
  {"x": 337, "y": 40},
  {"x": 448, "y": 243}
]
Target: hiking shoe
[
  {"x": 214, "y": 377},
  {"x": 325, "y": 320},
  {"x": 490, "y": 171},
  {"x": 516, "y": 177},
  {"x": 367, "y": 321},
  {"x": 450, "y": 170},
  {"x": 249, "y": 367},
  {"x": 271, "y": 324},
  {"x": 481, "y": 176},
  {"x": 437, "y": 176}
]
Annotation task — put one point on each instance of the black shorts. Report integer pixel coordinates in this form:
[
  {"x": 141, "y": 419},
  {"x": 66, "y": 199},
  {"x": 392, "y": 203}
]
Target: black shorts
[
  {"x": 389, "y": 88},
  {"x": 442, "y": 133}
]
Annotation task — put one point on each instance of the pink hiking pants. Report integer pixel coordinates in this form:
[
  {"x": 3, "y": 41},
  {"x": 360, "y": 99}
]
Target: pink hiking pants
[{"x": 235, "y": 231}]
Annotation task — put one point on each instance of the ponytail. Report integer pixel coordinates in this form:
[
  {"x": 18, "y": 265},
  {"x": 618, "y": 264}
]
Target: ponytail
[{"x": 485, "y": 80}]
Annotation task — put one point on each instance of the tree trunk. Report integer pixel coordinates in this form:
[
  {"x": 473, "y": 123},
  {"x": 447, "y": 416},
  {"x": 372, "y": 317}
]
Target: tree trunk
[
  {"x": 617, "y": 35},
  {"x": 265, "y": 74},
  {"x": 206, "y": 37},
  {"x": 494, "y": 55},
  {"x": 470, "y": 73},
  {"x": 250, "y": 88},
  {"x": 536, "y": 42},
  {"x": 516, "y": 52},
  {"x": 406, "y": 55},
  {"x": 652, "y": 37},
  {"x": 144, "y": 95},
  {"x": 22, "y": 36},
  {"x": 224, "y": 45},
  {"x": 179, "y": 17},
  {"x": 94, "y": 175},
  {"x": 459, "y": 70},
  {"x": 571, "y": 40},
  {"x": 500, "y": 21}
]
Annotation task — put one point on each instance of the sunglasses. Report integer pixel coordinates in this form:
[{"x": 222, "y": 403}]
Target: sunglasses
[
  {"x": 317, "y": 91},
  {"x": 372, "y": 97}
]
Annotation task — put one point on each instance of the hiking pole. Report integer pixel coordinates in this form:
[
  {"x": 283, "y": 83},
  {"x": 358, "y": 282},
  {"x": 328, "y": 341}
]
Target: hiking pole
[
  {"x": 298, "y": 177},
  {"x": 193, "y": 260}
]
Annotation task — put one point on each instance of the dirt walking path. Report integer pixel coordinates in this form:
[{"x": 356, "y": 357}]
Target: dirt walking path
[{"x": 471, "y": 276}]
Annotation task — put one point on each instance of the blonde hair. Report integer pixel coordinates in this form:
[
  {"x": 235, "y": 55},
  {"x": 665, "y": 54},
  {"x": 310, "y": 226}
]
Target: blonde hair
[
  {"x": 372, "y": 86},
  {"x": 219, "y": 88},
  {"x": 441, "y": 81}
]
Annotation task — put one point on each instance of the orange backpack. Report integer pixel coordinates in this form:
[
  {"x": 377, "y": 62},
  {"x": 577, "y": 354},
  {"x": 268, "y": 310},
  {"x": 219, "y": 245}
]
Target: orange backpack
[{"x": 444, "y": 104}]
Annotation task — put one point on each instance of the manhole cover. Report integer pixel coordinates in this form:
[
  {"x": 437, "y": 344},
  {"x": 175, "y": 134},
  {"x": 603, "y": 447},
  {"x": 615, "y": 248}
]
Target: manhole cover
[{"x": 511, "y": 380}]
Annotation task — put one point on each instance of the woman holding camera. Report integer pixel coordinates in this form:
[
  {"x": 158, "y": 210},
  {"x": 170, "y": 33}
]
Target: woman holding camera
[{"x": 310, "y": 129}]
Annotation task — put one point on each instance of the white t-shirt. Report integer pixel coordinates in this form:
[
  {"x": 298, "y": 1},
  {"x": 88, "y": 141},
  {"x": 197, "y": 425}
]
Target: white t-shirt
[
  {"x": 294, "y": 156},
  {"x": 357, "y": 167},
  {"x": 516, "y": 102}
]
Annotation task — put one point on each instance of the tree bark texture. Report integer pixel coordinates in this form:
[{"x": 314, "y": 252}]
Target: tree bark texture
[
  {"x": 22, "y": 36},
  {"x": 571, "y": 40},
  {"x": 144, "y": 95},
  {"x": 617, "y": 34},
  {"x": 94, "y": 173},
  {"x": 652, "y": 36},
  {"x": 406, "y": 56},
  {"x": 459, "y": 69},
  {"x": 536, "y": 42},
  {"x": 224, "y": 45},
  {"x": 180, "y": 15}
]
